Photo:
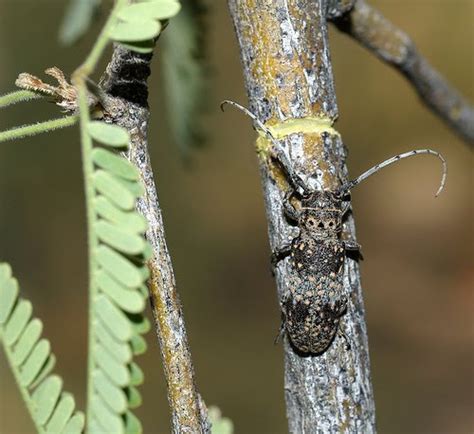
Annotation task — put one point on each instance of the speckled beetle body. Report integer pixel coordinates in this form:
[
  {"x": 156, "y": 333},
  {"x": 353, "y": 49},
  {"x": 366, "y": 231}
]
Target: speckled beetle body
[{"x": 315, "y": 299}]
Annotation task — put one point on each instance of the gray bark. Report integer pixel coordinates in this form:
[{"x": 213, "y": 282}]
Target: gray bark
[
  {"x": 288, "y": 75},
  {"x": 125, "y": 83}
]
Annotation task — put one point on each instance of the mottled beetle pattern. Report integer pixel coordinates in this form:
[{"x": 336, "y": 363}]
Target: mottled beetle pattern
[{"x": 316, "y": 299}]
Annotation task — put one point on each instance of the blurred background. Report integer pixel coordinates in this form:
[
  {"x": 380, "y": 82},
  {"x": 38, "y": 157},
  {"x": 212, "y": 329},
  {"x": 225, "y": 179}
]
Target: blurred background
[{"x": 417, "y": 274}]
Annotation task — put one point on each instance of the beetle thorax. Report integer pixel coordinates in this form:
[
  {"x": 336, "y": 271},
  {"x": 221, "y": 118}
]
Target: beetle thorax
[{"x": 321, "y": 215}]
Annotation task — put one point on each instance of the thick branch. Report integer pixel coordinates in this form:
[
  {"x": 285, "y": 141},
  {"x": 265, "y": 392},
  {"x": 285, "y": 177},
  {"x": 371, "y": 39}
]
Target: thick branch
[
  {"x": 289, "y": 81},
  {"x": 367, "y": 26},
  {"x": 125, "y": 83}
]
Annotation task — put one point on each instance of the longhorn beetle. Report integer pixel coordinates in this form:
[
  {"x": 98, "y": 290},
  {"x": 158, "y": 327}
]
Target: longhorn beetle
[{"x": 315, "y": 298}]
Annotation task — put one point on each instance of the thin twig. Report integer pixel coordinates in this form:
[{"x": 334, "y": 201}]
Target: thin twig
[
  {"x": 287, "y": 69},
  {"x": 370, "y": 28},
  {"x": 125, "y": 82}
]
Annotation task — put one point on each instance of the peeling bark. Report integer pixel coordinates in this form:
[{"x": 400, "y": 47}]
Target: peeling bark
[{"x": 290, "y": 86}]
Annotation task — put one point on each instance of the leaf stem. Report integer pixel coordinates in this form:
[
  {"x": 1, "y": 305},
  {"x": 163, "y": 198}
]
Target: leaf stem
[
  {"x": 18, "y": 96},
  {"x": 90, "y": 63},
  {"x": 23, "y": 390},
  {"x": 79, "y": 79},
  {"x": 40, "y": 127}
]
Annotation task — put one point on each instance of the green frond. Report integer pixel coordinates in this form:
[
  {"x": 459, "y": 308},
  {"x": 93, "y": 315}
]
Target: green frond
[
  {"x": 186, "y": 74},
  {"x": 31, "y": 361},
  {"x": 77, "y": 20},
  {"x": 118, "y": 252}
]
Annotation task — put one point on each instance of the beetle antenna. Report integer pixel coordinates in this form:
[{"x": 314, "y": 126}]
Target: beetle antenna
[
  {"x": 257, "y": 123},
  {"x": 351, "y": 184},
  {"x": 277, "y": 153}
]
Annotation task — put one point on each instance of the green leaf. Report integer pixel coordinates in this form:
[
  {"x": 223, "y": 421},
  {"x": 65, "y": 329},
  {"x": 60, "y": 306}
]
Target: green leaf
[
  {"x": 128, "y": 221},
  {"x": 140, "y": 324},
  {"x": 119, "y": 350},
  {"x": 110, "y": 422},
  {"x": 116, "y": 372},
  {"x": 148, "y": 252},
  {"x": 113, "y": 318},
  {"x": 5, "y": 273},
  {"x": 45, "y": 370},
  {"x": 134, "y": 187},
  {"x": 128, "y": 300},
  {"x": 93, "y": 427},
  {"x": 32, "y": 367},
  {"x": 18, "y": 321},
  {"x": 144, "y": 291},
  {"x": 132, "y": 424},
  {"x": 134, "y": 397},
  {"x": 108, "y": 134},
  {"x": 113, "y": 189},
  {"x": 8, "y": 297},
  {"x": 112, "y": 395},
  {"x": 115, "y": 164},
  {"x": 45, "y": 398},
  {"x": 119, "y": 267},
  {"x": 186, "y": 74},
  {"x": 158, "y": 10},
  {"x": 119, "y": 239},
  {"x": 219, "y": 424},
  {"x": 62, "y": 414},
  {"x": 27, "y": 341},
  {"x": 142, "y": 47},
  {"x": 136, "y": 375},
  {"x": 135, "y": 31},
  {"x": 138, "y": 345},
  {"x": 75, "y": 424},
  {"x": 77, "y": 20}
]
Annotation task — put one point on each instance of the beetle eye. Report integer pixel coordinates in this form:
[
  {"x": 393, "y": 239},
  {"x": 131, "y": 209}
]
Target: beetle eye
[{"x": 331, "y": 224}]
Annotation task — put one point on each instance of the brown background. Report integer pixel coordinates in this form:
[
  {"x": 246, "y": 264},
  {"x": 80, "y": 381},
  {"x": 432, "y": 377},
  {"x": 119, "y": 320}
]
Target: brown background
[{"x": 417, "y": 275}]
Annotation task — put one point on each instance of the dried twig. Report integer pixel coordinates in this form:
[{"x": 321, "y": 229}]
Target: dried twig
[{"x": 369, "y": 27}]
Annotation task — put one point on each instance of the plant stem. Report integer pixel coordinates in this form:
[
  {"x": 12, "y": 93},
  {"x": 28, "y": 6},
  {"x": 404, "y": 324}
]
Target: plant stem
[
  {"x": 41, "y": 127},
  {"x": 90, "y": 63},
  {"x": 23, "y": 390},
  {"x": 79, "y": 80},
  {"x": 18, "y": 96}
]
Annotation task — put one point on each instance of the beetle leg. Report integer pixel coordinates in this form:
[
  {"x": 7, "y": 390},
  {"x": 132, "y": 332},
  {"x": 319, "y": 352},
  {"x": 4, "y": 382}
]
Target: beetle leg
[
  {"x": 346, "y": 207},
  {"x": 281, "y": 332},
  {"x": 279, "y": 254},
  {"x": 296, "y": 183},
  {"x": 290, "y": 212},
  {"x": 352, "y": 247},
  {"x": 341, "y": 334}
]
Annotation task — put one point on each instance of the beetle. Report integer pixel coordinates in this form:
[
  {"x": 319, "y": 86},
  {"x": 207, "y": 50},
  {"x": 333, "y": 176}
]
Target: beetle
[{"x": 315, "y": 299}]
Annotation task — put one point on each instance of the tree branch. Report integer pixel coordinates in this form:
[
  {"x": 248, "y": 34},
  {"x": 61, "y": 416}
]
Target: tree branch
[
  {"x": 370, "y": 28},
  {"x": 289, "y": 81},
  {"x": 125, "y": 81}
]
